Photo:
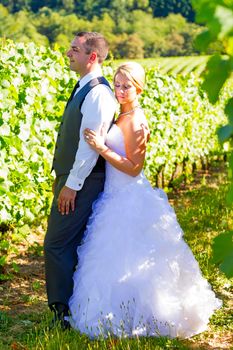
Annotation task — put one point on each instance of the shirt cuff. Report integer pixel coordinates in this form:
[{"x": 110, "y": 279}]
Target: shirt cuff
[{"x": 74, "y": 183}]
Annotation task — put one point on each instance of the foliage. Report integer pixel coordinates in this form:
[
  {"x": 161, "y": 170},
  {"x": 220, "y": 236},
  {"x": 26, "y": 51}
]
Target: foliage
[
  {"x": 218, "y": 16},
  {"x": 129, "y": 45},
  {"x": 170, "y": 36},
  {"x": 117, "y": 8},
  {"x": 34, "y": 85},
  {"x": 182, "y": 123},
  {"x": 20, "y": 27},
  {"x": 162, "y": 8},
  {"x": 223, "y": 252}
]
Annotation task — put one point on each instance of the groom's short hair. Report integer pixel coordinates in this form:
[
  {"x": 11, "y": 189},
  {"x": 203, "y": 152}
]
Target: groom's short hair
[{"x": 95, "y": 42}]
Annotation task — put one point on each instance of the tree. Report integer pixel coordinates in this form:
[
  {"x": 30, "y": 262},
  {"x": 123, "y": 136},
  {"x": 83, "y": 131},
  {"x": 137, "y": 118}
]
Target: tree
[
  {"x": 20, "y": 27},
  {"x": 170, "y": 36},
  {"x": 105, "y": 25},
  {"x": 91, "y": 8},
  {"x": 68, "y": 5},
  {"x": 48, "y": 23},
  {"x": 162, "y": 8},
  {"x": 129, "y": 46},
  {"x": 17, "y": 5},
  {"x": 36, "y": 5}
]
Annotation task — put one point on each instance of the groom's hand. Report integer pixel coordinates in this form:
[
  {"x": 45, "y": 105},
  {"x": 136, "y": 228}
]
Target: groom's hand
[{"x": 66, "y": 200}]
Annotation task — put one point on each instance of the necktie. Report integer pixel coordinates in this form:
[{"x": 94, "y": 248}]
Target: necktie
[{"x": 73, "y": 92}]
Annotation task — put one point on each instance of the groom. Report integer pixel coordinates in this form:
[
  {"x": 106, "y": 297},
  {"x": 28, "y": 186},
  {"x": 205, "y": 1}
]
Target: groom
[{"x": 80, "y": 173}]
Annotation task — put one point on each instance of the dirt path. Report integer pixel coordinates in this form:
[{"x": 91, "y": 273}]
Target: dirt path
[{"x": 25, "y": 292}]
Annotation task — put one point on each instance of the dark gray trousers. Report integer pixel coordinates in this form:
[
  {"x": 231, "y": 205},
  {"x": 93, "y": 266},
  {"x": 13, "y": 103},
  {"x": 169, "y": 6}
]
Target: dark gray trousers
[{"x": 64, "y": 234}]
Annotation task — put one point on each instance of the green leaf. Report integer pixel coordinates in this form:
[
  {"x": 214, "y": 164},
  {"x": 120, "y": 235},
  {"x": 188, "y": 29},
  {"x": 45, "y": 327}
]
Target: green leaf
[
  {"x": 229, "y": 197},
  {"x": 203, "y": 40},
  {"x": 204, "y": 10},
  {"x": 218, "y": 69},
  {"x": 225, "y": 132},
  {"x": 230, "y": 160},
  {"x": 225, "y": 19},
  {"x": 223, "y": 252},
  {"x": 227, "y": 266},
  {"x": 3, "y": 190},
  {"x": 3, "y": 260},
  {"x": 15, "y": 267},
  {"x": 229, "y": 110}
]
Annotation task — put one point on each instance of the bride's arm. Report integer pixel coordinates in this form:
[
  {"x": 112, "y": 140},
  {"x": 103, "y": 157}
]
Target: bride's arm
[{"x": 135, "y": 137}]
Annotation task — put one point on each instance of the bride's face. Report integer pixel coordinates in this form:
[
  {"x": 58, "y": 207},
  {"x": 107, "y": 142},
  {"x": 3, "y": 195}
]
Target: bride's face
[{"x": 125, "y": 90}]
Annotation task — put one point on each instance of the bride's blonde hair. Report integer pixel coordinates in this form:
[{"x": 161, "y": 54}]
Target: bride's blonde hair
[{"x": 134, "y": 72}]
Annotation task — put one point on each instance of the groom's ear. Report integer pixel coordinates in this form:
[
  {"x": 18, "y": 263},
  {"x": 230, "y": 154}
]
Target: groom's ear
[{"x": 93, "y": 57}]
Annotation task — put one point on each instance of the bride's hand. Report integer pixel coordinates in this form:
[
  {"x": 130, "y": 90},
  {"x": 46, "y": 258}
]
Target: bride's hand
[{"x": 95, "y": 141}]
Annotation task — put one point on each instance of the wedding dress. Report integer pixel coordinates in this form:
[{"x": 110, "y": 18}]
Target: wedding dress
[{"x": 136, "y": 275}]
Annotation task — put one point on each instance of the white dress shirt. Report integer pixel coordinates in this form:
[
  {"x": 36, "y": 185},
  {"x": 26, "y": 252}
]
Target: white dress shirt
[{"x": 97, "y": 109}]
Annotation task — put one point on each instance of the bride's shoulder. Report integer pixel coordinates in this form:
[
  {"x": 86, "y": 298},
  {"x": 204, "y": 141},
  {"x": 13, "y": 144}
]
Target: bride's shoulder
[
  {"x": 133, "y": 123},
  {"x": 140, "y": 117},
  {"x": 138, "y": 120},
  {"x": 139, "y": 124},
  {"x": 136, "y": 127}
]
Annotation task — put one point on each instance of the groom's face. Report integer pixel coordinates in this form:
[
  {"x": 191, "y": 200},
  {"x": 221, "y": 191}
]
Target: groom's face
[{"x": 78, "y": 56}]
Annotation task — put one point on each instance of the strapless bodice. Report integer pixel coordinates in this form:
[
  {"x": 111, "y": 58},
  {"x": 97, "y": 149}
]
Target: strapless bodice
[{"x": 116, "y": 179}]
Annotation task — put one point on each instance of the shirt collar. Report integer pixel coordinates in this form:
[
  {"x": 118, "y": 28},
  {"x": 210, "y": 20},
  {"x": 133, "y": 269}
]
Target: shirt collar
[{"x": 88, "y": 77}]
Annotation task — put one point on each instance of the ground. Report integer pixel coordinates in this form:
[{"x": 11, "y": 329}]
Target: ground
[{"x": 23, "y": 298}]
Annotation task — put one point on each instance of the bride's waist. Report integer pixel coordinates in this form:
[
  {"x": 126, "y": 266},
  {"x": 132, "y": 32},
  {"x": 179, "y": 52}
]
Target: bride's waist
[{"x": 116, "y": 179}]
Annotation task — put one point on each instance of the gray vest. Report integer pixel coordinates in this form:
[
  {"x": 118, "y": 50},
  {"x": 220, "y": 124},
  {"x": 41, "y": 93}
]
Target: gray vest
[{"x": 68, "y": 134}]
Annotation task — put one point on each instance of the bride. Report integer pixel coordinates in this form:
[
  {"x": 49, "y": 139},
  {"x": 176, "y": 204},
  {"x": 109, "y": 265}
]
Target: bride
[{"x": 136, "y": 275}]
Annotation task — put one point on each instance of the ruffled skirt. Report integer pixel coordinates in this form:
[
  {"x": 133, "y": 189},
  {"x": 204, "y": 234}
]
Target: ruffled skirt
[{"x": 136, "y": 275}]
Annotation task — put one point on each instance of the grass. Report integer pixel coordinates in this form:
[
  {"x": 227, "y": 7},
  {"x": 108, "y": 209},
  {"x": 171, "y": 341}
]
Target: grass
[{"x": 202, "y": 213}]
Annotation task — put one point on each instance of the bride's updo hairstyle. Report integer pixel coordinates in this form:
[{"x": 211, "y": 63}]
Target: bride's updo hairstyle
[{"x": 134, "y": 72}]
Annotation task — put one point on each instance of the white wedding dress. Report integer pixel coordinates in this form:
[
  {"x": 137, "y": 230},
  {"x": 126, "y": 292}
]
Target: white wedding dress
[{"x": 136, "y": 275}]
